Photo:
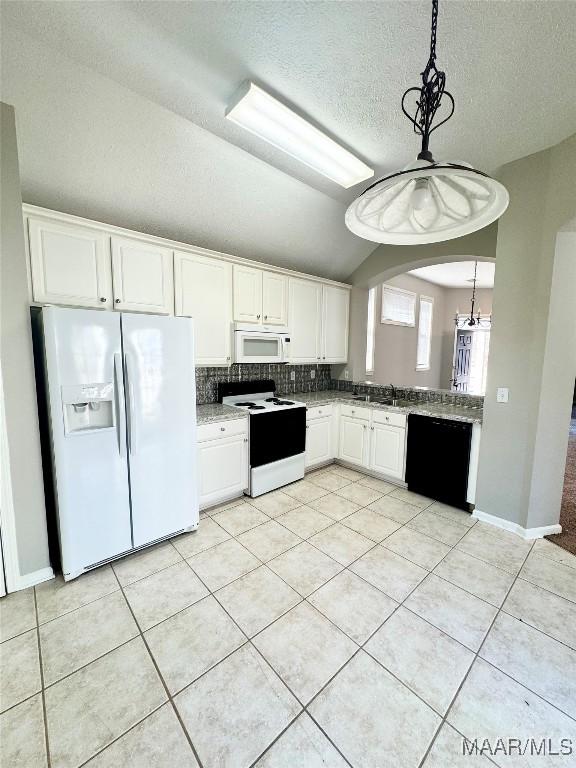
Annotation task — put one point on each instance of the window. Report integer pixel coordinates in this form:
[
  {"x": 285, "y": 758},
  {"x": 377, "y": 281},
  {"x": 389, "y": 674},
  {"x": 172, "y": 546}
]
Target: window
[
  {"x": 424, "y": 333},
  {"x": 371, "y": 331},
  {"x": 398, "y": 306}
]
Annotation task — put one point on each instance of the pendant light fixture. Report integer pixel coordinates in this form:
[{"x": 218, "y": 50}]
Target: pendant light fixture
[
  {"x": 429, "y": 201},
  {"x": 470, "y": 321}
]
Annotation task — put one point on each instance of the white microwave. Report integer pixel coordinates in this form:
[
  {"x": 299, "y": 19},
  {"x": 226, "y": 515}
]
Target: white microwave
[{"x": 261, "y": 344}]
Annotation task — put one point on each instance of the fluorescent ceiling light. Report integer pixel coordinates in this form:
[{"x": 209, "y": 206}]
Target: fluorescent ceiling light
[{"x": 262, "y": 114}]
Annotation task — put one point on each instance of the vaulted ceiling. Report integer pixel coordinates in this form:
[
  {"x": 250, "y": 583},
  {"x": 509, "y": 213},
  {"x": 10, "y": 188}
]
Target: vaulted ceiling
[{"x": 120, "y": 107}]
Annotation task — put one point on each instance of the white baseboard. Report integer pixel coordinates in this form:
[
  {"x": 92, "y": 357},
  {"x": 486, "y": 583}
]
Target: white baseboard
[
  {"x": 507, "y": 525},
  {"x": 31, "y": 579}
]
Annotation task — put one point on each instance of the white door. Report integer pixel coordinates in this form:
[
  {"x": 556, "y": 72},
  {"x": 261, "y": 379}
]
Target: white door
[
  {"x": 70, "y": 264},
  {"x": 319, "y": 441},
  {"x": 304, "y": 316},
  {"x": 83, "y": 354},
  {"x": 161, "y": 424},
  {"x": 247, "y": 294},
  {"x": 387, "y": 450},
  {"x": 274, "y": 299},
  {"x": 353, "y": 445},
  {"x": 143, "y": 276},
  {"x": 335, "y": 310},
  {"x": 204, "y": 292},
  {"x": 223, "y": 468}
]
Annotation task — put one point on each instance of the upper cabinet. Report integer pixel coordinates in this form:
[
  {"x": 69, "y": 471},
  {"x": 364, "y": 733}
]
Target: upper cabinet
[
  {"x": 143, "y": 276},
  {"x": 335, "y": 312},
  {"x": 88, "y": 264},
  {"x": 247, "y": 294},
  {"x": 204, "y": 292},
  {"x": 274, "y": 298},
  {"x": 304, "y": 320},
  {"x": 318, "y": 322},
  {"x": 70, "y": 264},
  {"x": 260, "y": 296}
]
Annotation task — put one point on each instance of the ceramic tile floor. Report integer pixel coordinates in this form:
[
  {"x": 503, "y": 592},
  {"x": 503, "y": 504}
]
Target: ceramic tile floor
[{"x": 339, "y": 621}]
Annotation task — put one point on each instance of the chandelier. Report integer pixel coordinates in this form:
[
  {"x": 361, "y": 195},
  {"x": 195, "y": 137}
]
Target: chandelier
[
  {"x": 428, "y": 201},
  {"x": 471, "y": 321}
]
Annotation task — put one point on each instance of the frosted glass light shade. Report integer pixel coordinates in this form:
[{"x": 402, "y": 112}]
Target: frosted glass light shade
[{"x": 427, "y": 203}]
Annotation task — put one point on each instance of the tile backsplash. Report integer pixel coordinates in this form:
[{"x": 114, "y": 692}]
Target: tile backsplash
[{"x": 207, "y": 380}]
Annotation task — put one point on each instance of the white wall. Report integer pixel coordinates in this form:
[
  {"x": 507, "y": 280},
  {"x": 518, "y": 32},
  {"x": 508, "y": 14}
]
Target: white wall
[
  {"x": 395, "y": 346},
  {"x": 533, "y": 346},
  {"x": 23, "y": 461}
]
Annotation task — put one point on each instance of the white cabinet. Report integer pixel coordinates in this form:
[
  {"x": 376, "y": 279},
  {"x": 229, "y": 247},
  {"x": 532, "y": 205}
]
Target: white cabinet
[
  {"x": 354, "y": 440},
  {"x": 318, "y": 322},
  {"x": 259, "y": 296},
  {"x": 203, "y": 289},
  {"x": 373, "y": 439},
  {"x": 143, "y": 276},
  {"x": 274, "y": 298},
  {"x": 319, "y": 436},
  {"x": 304, "y": 320},
  {"x": 222, "y": 461},
  {"x": 247, "y": 294},
  {"x": 387, "y": 450},
  {"x": 335, "y": 312},
  {"x": 70, "y": 264}
]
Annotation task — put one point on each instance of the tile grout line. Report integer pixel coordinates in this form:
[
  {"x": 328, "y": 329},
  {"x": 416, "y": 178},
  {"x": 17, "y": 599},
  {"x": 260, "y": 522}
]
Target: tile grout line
[
  {"x": 164, "y": 685},
  {"x": 474, "y": 660},
  {"x": 268, "y": 664},
  {"x": 41, "y": 665},
  {"x": 302, "y": 599}
]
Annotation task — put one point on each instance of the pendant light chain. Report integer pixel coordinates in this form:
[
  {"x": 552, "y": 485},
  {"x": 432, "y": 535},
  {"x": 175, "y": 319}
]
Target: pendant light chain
[{"x": 430, "y": 95}]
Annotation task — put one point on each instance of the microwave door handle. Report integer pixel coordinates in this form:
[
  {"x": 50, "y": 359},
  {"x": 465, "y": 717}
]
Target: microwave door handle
[{"x": 283, "y": 342}]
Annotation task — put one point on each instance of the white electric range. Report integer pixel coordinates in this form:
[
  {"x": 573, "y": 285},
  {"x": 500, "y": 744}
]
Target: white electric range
[{"x": 277, "y": 436}]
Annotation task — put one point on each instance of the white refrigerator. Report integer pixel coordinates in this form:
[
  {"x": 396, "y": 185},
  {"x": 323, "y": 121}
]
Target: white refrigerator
[{"x": 122, "y": 409}]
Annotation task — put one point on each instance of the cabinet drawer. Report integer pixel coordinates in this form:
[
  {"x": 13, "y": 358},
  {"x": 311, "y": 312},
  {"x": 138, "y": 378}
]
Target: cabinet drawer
[
  {"x": 318, "y": 411},
  {"x": 222, "y": 429},
  {"x": 355, "y": 411},
  {"x": 386, "y": 417}
]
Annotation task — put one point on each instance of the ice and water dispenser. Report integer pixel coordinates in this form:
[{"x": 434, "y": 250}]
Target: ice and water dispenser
[{"x": 88, "y": 407}]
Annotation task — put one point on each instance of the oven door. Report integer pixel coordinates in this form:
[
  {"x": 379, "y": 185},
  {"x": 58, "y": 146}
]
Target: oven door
[
  {"x": 277, "y": 435},
  {"x": 253, "y": 347}
]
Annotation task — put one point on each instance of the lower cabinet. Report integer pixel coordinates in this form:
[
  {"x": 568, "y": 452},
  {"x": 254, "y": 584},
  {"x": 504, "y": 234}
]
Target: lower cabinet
[
  {"x": 319, "y": 436},
  {"x": 387, "y": 450},
  {"x": 222, "y": 461},
  {"x": 353, "y": 444},
  {"x": 373, "y": 439}
]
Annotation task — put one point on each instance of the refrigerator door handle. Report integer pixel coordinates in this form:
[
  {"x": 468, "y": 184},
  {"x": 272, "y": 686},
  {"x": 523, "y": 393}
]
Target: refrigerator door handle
[
  {"x": 119, "y": 402},
  {"x": 130, "y": 404}
]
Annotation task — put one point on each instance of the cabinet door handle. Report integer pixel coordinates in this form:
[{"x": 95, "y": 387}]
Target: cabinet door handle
[
  {"x": 103, "y": 299},
  {"x": 222, "y": 429},
  {"x": 265, "y": 317},
  {"x": 258, "y": 317},
  {"x": 117, "y": 301},
  {"x": 228, "y": 358}
]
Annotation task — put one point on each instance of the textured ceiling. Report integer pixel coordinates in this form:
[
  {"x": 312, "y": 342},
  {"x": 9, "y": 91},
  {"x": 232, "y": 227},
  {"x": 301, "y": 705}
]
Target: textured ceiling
[
  {"x": 458, "y": 274},
  {"x": 510, "y": 65}
]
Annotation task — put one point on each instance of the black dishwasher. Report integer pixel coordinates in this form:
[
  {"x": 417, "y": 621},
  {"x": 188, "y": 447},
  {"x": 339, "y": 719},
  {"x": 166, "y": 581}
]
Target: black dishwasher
[{"x": 438, "y": 457}]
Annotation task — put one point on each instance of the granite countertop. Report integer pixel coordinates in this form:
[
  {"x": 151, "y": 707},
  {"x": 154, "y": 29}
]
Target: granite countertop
[
  {"x": 439, "y": 410},
  {"x": 206, "y": 414}
]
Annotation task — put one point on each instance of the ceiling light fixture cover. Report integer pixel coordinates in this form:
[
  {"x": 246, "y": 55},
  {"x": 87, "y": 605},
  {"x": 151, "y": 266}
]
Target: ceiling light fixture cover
[
  {"x": 260, "y": 113},
  {"x": 428, "y": 201}
]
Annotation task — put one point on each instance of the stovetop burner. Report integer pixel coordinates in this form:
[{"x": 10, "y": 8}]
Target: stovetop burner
[
  {"x": 247, "y": 403},
  {"x": 256, "y": 407},
  {"x": 284, "y": 402}
]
